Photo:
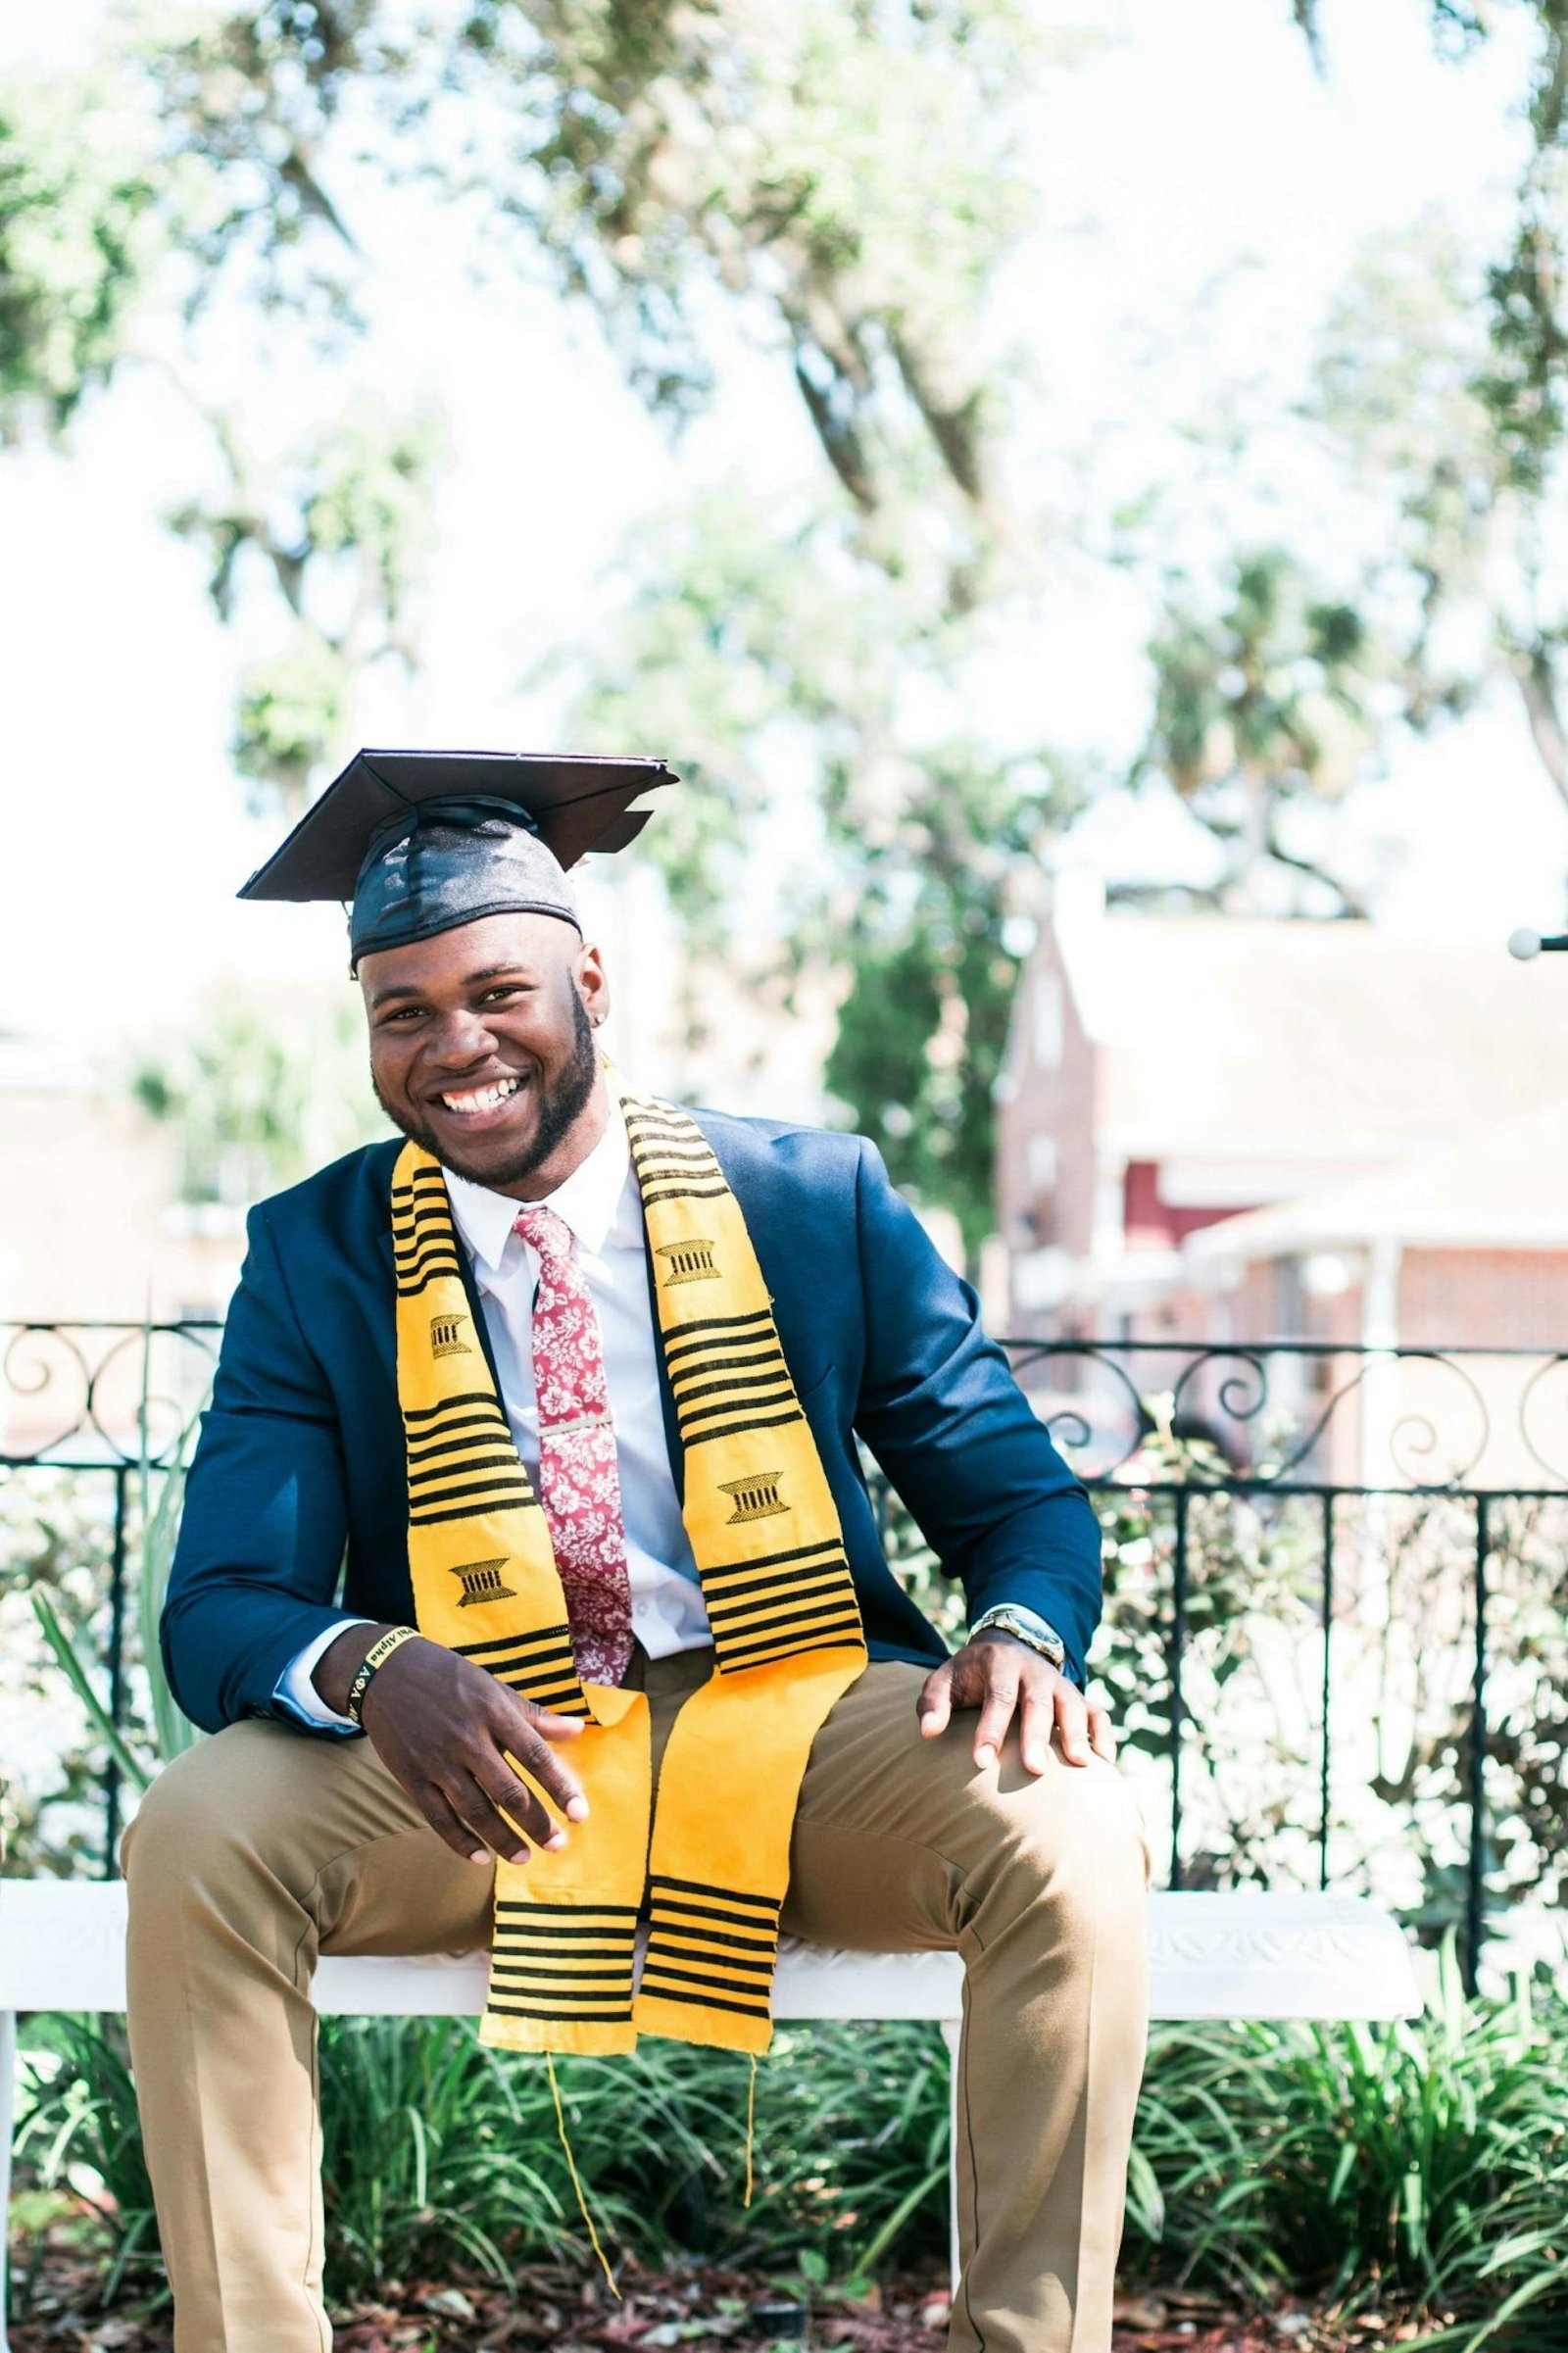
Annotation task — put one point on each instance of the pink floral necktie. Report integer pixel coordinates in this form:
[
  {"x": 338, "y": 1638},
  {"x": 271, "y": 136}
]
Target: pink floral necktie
[{"x": 579, "y": 1479}]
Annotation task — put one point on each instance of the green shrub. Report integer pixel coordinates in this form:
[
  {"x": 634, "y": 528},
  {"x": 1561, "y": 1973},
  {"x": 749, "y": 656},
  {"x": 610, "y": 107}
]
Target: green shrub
[
  {"x": 432, "y": 2143},
  {"x": 1422, "y": 2164},
  {"x": 1420, "y": 2167}
]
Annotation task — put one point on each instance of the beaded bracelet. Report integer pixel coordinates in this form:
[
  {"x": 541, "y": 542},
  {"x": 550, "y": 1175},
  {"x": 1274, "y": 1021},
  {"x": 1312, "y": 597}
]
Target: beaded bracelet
[{"x": 375, "y": 1658}]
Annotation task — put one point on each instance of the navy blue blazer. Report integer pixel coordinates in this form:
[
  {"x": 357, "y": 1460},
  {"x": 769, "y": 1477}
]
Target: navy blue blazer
[{"x": 297, "y": 1492}]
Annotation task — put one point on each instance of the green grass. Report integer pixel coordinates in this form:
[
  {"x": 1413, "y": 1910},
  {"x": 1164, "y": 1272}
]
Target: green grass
[
  {"x": 1420, "y": 2167},
  {"x": 1422, "y": 2164},
  {"x": 434, "y": 2143}
]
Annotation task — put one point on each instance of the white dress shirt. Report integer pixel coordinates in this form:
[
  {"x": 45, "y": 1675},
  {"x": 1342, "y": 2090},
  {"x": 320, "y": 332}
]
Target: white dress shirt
[{"x": 600, "y": 1202}]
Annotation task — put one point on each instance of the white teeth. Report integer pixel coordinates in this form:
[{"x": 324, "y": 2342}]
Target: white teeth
[{"x": 482, "y": 1099}]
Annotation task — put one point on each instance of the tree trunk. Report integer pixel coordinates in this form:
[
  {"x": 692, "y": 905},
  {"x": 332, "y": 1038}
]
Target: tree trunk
[{"x": 1531, "y": 670}]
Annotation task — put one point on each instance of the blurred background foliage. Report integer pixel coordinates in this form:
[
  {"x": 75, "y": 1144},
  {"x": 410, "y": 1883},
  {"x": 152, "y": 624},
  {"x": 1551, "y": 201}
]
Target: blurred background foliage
[
  {"x": 690, "y": 176},
  {"x": 257, "y": 1095}
]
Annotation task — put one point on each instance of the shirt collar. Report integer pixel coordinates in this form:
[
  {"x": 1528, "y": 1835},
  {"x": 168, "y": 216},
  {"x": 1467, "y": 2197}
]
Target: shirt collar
[{"x": 588, "y": 1201}]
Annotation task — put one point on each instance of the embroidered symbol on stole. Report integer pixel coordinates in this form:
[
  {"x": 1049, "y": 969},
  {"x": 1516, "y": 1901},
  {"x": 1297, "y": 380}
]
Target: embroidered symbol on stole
[
  {"x": 755, "y": 1498},
  {"x": 444, "y": 1340},
  {"x": 482, "y": 1581},
  {"x": 688, "y": 1263}
]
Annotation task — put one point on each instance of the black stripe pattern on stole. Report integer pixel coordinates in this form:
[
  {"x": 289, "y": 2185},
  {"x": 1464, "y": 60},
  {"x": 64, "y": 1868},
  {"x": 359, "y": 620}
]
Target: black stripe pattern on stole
[
  {"x": 710, "y": 1947},
  {"x": 539, "y": 1667},
  {"x": 761, "y": 1610},
  {"x": 673, "y": 1158},
  {"x": 424, "y": 1242},
  {"x": 552, "y": 1960},
  {"x": 728, "y": 1373},
  {"x": 462, "y": 1461}
]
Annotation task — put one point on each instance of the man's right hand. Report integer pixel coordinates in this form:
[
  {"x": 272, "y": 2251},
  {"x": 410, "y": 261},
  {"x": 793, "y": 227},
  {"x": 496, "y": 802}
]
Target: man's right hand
[{"x": 449, "y": 1732}]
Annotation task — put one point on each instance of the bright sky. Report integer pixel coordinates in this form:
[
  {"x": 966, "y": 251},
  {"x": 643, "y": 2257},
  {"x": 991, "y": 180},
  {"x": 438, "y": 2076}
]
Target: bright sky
[{"x": 1196, "y": 141}]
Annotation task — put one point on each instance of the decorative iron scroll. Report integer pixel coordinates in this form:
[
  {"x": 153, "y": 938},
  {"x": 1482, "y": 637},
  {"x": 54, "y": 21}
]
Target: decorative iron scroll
[
  {"x": 1299, "y": 1416},
  {"x": 100, "y": 1396},
  {"x": 1292, "y": 1415},
  {"x": 1427, "y": 1563}
]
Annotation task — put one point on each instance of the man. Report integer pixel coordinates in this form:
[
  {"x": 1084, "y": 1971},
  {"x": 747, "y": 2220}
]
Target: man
[{"x": 570, "y": 1388}]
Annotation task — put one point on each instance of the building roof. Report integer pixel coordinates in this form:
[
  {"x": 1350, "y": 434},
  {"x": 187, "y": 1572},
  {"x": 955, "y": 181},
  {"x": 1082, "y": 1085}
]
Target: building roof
[
  {"x": 1223, "y": 1036},
  {"x": 1502, "y": 1187}
]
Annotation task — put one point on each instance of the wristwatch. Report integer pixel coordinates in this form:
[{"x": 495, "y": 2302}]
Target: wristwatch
[{"x": 1009, "y": 1618}]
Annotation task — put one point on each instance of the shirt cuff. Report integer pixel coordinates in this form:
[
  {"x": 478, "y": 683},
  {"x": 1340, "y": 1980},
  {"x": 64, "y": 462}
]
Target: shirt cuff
[{"x": 295, "y": 1694}]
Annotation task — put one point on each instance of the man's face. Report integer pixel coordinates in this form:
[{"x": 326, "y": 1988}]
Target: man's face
[{"x": 481, "y": 1047}]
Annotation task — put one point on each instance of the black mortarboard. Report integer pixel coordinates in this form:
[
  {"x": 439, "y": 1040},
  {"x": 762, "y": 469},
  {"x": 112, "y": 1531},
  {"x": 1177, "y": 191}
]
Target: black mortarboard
[{"x": 424, "y": 840}]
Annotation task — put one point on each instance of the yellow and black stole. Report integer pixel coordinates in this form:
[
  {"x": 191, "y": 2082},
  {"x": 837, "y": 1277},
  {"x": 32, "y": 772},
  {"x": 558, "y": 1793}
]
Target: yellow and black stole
[{"x": 712, "y": 1861}]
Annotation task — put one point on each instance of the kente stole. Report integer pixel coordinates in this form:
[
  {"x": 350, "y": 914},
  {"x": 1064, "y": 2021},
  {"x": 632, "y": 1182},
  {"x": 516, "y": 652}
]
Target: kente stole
[{"x": 713, "y": 1858}]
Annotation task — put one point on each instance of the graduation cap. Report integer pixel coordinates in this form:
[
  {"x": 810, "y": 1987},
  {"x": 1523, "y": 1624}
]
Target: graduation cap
[{"x": 422, "y": 842}]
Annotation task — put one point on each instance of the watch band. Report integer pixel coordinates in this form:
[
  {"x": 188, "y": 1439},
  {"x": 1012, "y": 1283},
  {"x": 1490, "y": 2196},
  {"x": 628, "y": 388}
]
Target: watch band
[
  {"x": 374, "y": 1659},
  {"x": 1009, "y": 1618}
]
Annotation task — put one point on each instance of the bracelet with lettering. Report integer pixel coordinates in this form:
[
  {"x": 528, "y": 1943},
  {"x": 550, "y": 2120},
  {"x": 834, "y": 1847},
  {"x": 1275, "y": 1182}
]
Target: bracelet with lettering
[{"x": 374, "y": 1659}]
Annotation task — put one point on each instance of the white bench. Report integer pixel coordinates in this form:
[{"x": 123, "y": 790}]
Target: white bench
[{"x": 62, "y": 1947}]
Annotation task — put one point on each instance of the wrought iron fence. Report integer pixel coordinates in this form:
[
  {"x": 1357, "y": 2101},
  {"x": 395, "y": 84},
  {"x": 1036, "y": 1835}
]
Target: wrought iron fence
[
  {"x": 99, "y": 1405},
  {"x": 1337, "y": 1624}
]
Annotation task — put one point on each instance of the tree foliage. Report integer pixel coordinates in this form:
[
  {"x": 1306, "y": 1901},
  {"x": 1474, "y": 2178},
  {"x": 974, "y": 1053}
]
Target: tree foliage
[
  {"x": 79, "y": 235},
  {"x": 138, "y": 234},
  {"x": 260, "y": 1098},
  {"x": 899, "y": 837},
  {"x": 1267, "y": 699},
  {"x": 340, "y": 526},
  {"x": 934, "y": 952},
  {"x": 1451, "y": 376},
  {"x": 689, "y": 174},
  {"x": 1523, "y": 383},
  {"x": 674, "y": 167},
  {"x": 1472, "y": 581},
  {"x": 699, "y": 176}
]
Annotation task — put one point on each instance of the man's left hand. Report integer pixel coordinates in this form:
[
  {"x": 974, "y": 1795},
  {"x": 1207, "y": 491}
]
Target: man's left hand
[{"x": 1003, "y": 1678}]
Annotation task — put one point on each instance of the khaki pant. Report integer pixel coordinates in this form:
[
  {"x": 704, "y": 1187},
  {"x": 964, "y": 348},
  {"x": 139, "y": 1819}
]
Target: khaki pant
[{"x": 261, "y": 1849}]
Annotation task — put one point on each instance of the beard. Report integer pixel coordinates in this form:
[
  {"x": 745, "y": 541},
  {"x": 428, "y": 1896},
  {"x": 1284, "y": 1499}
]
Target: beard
[{"x": 560, "y": 1104}]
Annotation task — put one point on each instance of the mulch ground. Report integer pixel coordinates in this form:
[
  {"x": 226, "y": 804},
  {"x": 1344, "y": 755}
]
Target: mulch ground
[{"x": 56, "y": 2308}]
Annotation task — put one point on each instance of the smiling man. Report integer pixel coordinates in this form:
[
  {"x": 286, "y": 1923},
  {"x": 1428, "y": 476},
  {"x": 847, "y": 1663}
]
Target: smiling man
[{"x": 535, "y": 1457}]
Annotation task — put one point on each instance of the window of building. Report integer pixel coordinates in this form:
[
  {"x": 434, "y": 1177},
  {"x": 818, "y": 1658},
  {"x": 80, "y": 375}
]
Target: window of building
[
  {"x": 1041, "y": 1160},
  {"x": 1049, "y": 1020}
]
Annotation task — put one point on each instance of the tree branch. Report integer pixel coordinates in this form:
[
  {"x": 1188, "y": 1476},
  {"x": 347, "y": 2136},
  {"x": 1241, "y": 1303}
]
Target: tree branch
[
  {"x": 1304, "y": 13},
  {"x": 1351, "y": 904},
  {"x": 833, "y": 419}
]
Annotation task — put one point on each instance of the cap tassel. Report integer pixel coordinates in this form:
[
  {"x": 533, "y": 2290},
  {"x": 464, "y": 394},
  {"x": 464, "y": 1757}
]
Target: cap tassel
[
  {"x": 577, "y": 2183},
  {"x": 751, "y": 2132}
]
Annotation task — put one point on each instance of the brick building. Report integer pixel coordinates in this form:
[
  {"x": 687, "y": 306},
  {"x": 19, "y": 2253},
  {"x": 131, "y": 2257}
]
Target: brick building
[
  {"x": 1222, "y": 1129},
  {"x": 1461, "y": 1248}
]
